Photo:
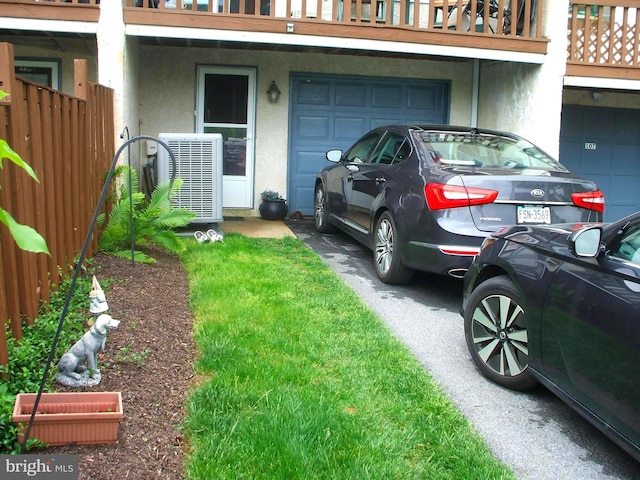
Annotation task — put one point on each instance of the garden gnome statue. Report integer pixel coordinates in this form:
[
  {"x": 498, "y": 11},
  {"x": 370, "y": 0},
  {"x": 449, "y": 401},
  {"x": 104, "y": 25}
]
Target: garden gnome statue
[
  {"x": 98, "y": 298},
  {"x": 72, "y": 371}
]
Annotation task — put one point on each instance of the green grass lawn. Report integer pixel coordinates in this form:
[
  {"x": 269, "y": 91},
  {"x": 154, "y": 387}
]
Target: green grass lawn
[{"x": 299, "y": 379}]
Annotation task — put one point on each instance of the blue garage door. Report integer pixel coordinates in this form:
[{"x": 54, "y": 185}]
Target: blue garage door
[
  {"x": 330, "y": 111},
  {"x": 603, "y": 144}
]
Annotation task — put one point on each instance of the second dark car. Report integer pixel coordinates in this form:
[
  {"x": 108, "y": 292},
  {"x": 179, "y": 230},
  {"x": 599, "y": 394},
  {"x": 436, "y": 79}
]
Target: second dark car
[
  {"x": 425, "y": 197},
  {"x": 560, "y": 305}
]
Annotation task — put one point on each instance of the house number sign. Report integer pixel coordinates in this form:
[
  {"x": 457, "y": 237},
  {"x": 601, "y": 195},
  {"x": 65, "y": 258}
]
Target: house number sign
[{"x": 590, "y": 146}]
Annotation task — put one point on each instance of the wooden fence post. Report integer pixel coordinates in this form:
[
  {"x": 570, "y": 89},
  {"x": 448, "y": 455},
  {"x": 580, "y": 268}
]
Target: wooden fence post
[
  {"x": 80, "y": 78},
  {"x": 7, "y": 71},
  {"x": 6, "y": 76},
  {"x": 7, "y": 246}
]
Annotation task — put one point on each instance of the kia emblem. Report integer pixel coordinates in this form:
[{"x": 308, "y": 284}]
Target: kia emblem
[{"x": 537, "y": 192}]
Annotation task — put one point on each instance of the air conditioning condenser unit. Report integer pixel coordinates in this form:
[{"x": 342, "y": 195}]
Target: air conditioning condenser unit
[{"x": 198, "y": 159}]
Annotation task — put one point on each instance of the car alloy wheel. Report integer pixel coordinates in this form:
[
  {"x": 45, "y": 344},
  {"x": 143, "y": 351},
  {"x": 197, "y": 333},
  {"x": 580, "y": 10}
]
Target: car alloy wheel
[
  {"x": 496, "y": 333},
  {"x": 386, "y": 258},
  {"x": 321, "y": 211}
]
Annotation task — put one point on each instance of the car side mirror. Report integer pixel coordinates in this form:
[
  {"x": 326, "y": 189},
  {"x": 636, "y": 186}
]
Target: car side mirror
[
  {"x": 586, "y": 242},
  {"x": 334, "y": 155}
]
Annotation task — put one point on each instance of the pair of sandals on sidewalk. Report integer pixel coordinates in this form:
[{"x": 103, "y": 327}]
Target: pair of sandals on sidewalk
[{"x": 210, "y": 236}]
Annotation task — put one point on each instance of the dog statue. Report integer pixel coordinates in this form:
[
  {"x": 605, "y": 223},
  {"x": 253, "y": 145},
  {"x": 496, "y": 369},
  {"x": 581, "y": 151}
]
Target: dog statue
[{"x": 71, "y": 368}]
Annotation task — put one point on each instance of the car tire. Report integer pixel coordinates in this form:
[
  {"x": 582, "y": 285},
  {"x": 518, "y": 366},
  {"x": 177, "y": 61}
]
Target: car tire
[
  {"x": 321, "y": 211},
  {"x": 496, "y": 333},
  {"x": 386, "y": 253}
]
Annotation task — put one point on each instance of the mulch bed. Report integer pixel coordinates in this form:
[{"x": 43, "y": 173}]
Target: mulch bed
[{"x": 149, "y": 358}]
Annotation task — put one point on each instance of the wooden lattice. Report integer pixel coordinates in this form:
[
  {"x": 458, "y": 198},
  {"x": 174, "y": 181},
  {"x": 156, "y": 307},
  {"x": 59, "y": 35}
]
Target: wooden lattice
[{"x": 603, "y": 43}]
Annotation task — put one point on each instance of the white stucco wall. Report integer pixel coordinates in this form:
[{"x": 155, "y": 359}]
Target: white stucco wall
[{"x": 167, "y": 84}]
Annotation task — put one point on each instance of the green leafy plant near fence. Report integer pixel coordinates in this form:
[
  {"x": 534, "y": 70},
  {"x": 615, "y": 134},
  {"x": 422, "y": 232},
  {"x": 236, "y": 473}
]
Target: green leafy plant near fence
[
  {"x": 154, "y": 220},
  {"x": 28, "y": 356},
  {"x": 26, "y": 237}
]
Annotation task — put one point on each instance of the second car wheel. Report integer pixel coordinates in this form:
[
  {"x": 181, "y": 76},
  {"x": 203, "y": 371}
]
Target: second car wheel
[
  {"x": 496, "y": 333},
  {"x": 386, "y": 253}
]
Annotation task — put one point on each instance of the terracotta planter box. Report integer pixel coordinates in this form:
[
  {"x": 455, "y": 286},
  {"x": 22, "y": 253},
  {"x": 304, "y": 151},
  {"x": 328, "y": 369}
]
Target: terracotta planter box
[{"x": 70, "y": 418}]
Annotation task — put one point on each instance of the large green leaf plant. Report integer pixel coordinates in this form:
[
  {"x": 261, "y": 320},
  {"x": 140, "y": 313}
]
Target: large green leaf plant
[
  {"x": 25, "y": 237},
  {"x": 154, "y": 220}
]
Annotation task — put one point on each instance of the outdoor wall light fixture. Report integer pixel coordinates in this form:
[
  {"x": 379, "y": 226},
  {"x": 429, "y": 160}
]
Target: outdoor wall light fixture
[
  {"x": 273, "y": 94},
  {"x": 290, "y": 27}
]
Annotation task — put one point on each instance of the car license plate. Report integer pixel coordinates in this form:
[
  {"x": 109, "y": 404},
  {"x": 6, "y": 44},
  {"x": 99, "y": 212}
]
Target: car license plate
[{"x": 533, "y": 214}]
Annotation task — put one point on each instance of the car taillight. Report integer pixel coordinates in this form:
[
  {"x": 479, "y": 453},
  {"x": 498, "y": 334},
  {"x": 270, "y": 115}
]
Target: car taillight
[
  {"x": 589, "y": 200},
  {"x": 440, "y": 196}
]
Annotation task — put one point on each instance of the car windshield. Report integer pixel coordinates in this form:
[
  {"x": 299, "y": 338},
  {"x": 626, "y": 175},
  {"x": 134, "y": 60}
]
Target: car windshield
[{"x": 485, "y": 150}]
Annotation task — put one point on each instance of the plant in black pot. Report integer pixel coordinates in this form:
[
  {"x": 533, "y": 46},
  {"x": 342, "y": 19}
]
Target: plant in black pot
[{"x": 273, "y": 206}]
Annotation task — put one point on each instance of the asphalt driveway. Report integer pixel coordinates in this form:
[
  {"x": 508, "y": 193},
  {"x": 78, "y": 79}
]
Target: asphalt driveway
[{"x": 535, "y": 433}]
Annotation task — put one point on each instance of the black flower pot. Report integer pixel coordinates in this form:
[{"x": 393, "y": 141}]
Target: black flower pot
[{"x": 273, "y": 209}]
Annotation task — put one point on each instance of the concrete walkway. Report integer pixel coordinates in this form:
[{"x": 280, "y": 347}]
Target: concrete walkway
[{"x": 256, "y": 227}]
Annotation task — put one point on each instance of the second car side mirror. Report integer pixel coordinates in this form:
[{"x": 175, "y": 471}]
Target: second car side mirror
[{"x": 586, "y": 242}]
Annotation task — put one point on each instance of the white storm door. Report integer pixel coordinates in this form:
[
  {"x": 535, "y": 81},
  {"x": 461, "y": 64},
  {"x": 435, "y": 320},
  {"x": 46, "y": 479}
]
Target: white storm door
[{"x": 226, "y": 105}]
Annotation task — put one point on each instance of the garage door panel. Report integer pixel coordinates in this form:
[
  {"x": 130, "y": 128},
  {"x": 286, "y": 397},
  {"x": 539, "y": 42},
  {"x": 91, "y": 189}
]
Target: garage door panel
[
  {"x": 423, "y": 98},
  {"x": 351, "y": 94},
  {"x": 332, "y": 111},
  {"x": 302, "y": 192},
  {"x": 348, "y": 127},
  {"x": 626, "y": 126},
  {"x": 316, "y": 128},
  {"x": 626, "y": 158},
  {"x": 598, "y": 160},
  {"x": 625, "y": 191},
  {"x": 314, "y": 93},
  {"x": 600, "y": 127},
  {"x": 386, "y": 96},
  {"x": 616, "y": 212},
  {"x": 310, "y": 162},
  {"x": 572, "y": 123}
]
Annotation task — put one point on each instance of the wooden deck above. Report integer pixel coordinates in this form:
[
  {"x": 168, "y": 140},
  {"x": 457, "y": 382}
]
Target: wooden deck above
[{"x": 602, "y": 37}]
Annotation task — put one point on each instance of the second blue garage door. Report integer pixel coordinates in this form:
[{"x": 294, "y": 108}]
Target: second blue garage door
[
  {"x": 603, "y": 145},
  {"x": 330, "y": 111}
]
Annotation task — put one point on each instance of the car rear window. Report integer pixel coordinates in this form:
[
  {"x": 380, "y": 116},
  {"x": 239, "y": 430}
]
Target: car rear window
[{"x": 485, "y": 150}]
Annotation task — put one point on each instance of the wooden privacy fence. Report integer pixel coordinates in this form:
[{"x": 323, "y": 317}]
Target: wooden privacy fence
[{"x": 69, "y": 142}]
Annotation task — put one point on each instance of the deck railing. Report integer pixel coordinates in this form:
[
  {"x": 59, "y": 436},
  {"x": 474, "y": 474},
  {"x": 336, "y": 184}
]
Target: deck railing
[
  {"x": 602, "y": 38},
  {"x": 517, "y": 18}
]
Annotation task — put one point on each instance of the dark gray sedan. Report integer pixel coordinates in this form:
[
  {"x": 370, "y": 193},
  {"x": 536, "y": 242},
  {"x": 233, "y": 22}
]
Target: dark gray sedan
[
  {"x": 425, "y": 197},
  {"x": 560, "y": 305}
]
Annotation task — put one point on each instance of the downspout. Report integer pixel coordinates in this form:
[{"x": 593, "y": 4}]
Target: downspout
[{"x": 475, "y": 93}]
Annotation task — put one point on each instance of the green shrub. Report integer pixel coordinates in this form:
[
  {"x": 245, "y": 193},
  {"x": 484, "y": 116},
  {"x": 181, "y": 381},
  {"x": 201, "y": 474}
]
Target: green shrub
[{"x": 154, "y": 220}]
